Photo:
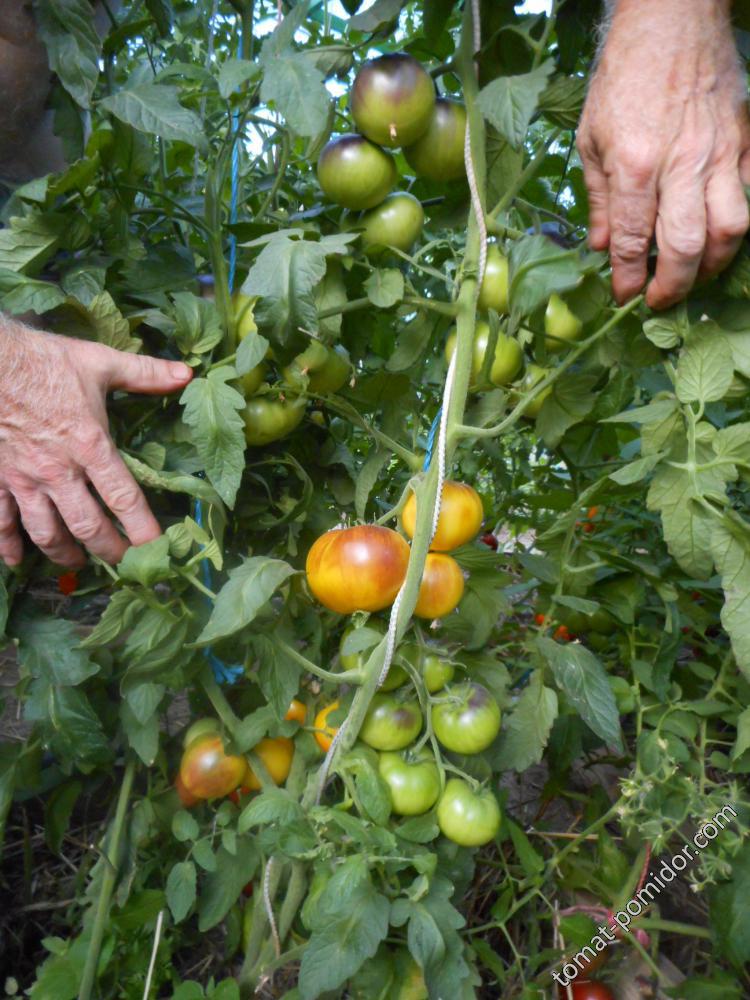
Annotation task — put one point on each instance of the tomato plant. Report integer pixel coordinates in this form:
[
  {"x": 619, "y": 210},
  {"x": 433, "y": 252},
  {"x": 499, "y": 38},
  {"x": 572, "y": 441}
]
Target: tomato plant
[
  {"x": 586, "y": 989},
  {"x": 228, "y": 193}
]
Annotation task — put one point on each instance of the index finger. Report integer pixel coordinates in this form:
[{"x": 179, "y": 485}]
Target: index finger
[{"x": 114, "y": 483}]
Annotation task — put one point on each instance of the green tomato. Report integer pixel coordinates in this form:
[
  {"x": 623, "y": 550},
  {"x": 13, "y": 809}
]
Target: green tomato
[
  {"x": 391, "y": 723},
  {"x": 506, "y": 363},
  {"x": 392, "y": 100},
  {"x": 561, "y": 324},
  {"x": 251, "y": 381},
  {"x": 467, "y": 817},
  {"x": 356, "y": 173},
  {"x": 495, "y": 288},
  {"x": 533, "y": 375},
  {"x": 200, "y": 728},
  {"x": 327, "y": 368},
  {"x": 466, "y": 719},
  {"x": 436, "y": 672},
  {"x": 623, "y": 693},
  {"x": 395, "y": 222},
  {"x": 414, "y": 782},
  {"x": 438, "y": 154},
  {"x": 268, "y": 420}
]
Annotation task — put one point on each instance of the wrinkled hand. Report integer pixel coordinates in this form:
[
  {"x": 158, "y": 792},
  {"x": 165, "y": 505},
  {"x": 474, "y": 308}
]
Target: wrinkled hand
[
  {"x": 54, "y": 442},
  {"x": 665, "y": 145}
]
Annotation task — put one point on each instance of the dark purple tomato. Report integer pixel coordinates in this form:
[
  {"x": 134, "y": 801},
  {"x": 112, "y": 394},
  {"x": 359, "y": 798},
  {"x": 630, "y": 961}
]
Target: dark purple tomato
[{"x": 392, "y": 100}]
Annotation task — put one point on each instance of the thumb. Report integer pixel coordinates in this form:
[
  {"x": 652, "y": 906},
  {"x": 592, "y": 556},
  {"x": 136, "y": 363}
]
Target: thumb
[{"x": 140, "y": 373}]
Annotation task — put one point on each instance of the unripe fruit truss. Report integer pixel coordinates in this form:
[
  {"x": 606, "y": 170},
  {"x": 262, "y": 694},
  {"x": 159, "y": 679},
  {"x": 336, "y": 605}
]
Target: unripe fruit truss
[{"x": 392, "y": 100}]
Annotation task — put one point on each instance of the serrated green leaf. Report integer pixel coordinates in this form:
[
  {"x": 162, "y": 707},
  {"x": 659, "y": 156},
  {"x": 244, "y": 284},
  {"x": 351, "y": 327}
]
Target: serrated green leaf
[
  {"x": 73, "y": 45},
  {"x": 296, "y": 88},
  {"x": 525, "y": 732},
  {"x": 581, "y": 676},
  {"x": 217, "y": 429},
  {"x": 154, "y": 108},
  {"x": 236, "y": 72},
  {"x": 249, "y": 587},
  {"x": 509, "y": 102},
  {"x": 704, "y": 371}
]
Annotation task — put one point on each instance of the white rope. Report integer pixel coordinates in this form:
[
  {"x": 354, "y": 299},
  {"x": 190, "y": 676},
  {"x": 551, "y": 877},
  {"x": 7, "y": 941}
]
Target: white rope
[
  {"x": 269, "y": 908},
  {"x": 155, "y": 948}
]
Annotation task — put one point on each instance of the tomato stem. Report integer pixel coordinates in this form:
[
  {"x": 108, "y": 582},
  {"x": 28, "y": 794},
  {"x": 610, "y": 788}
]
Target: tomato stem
[
  {"x": 110, "y": 858},
  {"x": 347, "y": 677}
]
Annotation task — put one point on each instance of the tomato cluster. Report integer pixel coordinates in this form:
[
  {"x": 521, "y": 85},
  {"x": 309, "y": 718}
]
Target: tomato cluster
[
  {"x": 393, "y": 104},
  {"x": 207, "y": 771}
]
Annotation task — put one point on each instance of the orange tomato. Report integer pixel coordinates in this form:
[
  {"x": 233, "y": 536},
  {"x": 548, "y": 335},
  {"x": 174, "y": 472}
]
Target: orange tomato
[
  {"x": 324, "y": 733},
  {"x": 276, "y": 755},
  {"x": 442, "y": 586},
  {"x": 207, "y": 772},
  {"x": 297, "y": 712},
  {"x": 540, "y": 619},
  {"x": 460, "y": 519},
  {"x": 186, "y": 797},
  {"x": 561, "y": 633},
  {"x": 357, "y": 569}
]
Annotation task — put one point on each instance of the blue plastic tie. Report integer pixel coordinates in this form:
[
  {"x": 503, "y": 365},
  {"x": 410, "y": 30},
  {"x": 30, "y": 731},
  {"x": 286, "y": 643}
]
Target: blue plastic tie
[
  {"x": 223, "y": 672},
  {"x": 431, "y": 439}
]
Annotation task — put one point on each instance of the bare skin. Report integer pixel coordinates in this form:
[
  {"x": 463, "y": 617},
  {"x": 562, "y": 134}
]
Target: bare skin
[
  {"x": 665, "y": 145},
  {"x": 55, "y": 444}
]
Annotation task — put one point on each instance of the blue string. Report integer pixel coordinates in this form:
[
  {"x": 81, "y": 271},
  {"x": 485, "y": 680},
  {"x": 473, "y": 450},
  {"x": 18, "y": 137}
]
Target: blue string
[
  {"x": 223, "y": 672},
  {"x": 431, "y": 439}
]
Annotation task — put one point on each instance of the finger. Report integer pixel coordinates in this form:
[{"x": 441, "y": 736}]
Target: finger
[
  {"x": 141, "y": 373},
  {"x": 87, "y": 522},
  {"x": 11, "y": 545},
  {"x": 47, "y": 531},
  {"x": 598, "y": 191},
  {"x": 632, "y": 214},
  {"x": 727, "y": 219},
  {"x": 681, "y": 241},
  {"x": 113, "y": 482}
]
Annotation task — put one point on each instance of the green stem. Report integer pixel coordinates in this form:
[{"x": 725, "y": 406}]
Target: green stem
[
  {"x": 347, "y": 677},
  {"x": 111, "y": 856},
  {"x": 596, "y": 825},
  {"x": 345, "y": 409},
  {"x": 218, "y": 700},
  {"x": 346, "y": 307},
  {"x": 529, "y": 171},
  {"x": 673, "y": 927},
  {"x": 517, "y": 412},
  {"x": 278, "y": 179}
]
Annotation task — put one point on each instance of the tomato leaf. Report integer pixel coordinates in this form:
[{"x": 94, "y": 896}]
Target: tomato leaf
[
  {"x": 236, "y": 72},
  {"x": 385, "y": 287},
  {"x": 217, "y": 429},
  {"x": 583, "y": 679},
  {"x": 730, "y": 911},
  {"x": 509, "y": 102},
  {"x": 273, "y": 805},
  {"x": 730, "y": 548},
  {"x": 180, "y": 889},
  {"x": 222, "y": 887},
  {"x": 525, "y": 732},
  {"x": 704, "y": 371},
  {"x": 297, "y": 90},
  {"x": 378, "y": 16},
  {"x": 250, "y": 586},
  {"x": 154, "y": 108},
  {"x": 73, "y": 45}
]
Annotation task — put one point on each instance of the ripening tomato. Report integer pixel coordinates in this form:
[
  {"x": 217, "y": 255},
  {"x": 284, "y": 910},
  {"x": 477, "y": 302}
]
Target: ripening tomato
[
  {"x": 357, "y": 569},
  {"x": 297, "y": 712},
  {"x": 466, "y": 719},
  {"x": 67, "y": 583},
  {"x": 395, "y": 222},
  {"x": 355, "y": 173},
  {"x": 244, "y": 316},
  {"x": 561, "y": 324},
  {"x": 493, "y": 293},
  {"x": 442, "y": 586},
  {"x": 506, "y": 363},
  {"x": 438, "y": 154},
  {"x": 186, "y": 798},
  {"x": 390, "y": 723},
  {"x": 392, "y": 100},
  {"x": 326, "y": 368},
  {"x": 490, "y": 541},
  {"x": 268, "y": 419},
  {"x": 540, "y": 619},
  {"x": 413, "y": 781},
  {"x": 323, "y": 732},
  {"x": 208, "y": 772},
  {"x": 276, "y": 755},
  {"x": 199, "y": 729},
  {"x": 561, "y": 633},
  {"x": 460, "y": 519},
  {"x": 586, "y": 989},
  {"x": 436, "y": 672},
  {"x": 533, "y": 375},
  {"x": 467, "y": 817}
]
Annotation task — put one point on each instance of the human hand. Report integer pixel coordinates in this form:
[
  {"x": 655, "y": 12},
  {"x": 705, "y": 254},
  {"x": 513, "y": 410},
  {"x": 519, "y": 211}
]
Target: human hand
[
  {"x": 54, "y": 442},
  {"x": 665, "y": 144}
]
